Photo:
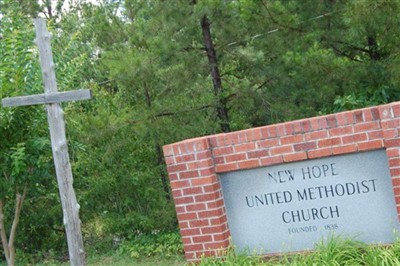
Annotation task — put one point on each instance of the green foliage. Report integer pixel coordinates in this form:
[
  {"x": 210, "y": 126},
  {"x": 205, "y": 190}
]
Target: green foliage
[
  {"x": 157, "y": 244},
  {"x": 146, "y": 65},
  {"x": 331, "y": 251}
]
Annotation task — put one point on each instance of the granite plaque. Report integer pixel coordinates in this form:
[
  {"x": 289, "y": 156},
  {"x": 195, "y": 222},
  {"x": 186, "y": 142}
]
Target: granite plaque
[{"x": 290, "y": 207}]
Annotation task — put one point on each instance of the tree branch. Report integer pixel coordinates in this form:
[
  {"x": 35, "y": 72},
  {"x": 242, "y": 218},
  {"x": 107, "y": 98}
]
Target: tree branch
[
  {"x": 3, "y": 235},
  {"x": 277, "y": 22},
  {"x": 18, "y": 206}
]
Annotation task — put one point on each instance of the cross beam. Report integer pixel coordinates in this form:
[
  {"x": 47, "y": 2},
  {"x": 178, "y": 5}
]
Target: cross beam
[
  {"x": 57, "y": 97},
  {"x": 55, "y": 115}
]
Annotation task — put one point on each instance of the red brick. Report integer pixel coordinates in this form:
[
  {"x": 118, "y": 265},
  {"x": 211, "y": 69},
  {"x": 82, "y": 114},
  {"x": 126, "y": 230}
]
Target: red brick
[
  {"x": 339, "y": 131},
  {"x": 199, "y": 223},
  {"x": 271, "y": 160},
  {"x": 281, "y": 149},
  {"x": 219, "y": 160},
  {"x": 323, "y": 123},
  {"x": 177, "y": 193},
  {"x": 172, "y": 177},
  {"x": 214, "y": 229},
  {"x": 239, "y": 137},
  {"x": 345, "y": 149},
  {"x": 203, "y": 181},
  {"x": 271, "y": 131},
  {"x": 316, "y": 135},
  {"x": 205, "y": 197},
  {"x": 190, "y": 232},
  {"x": 222, "y": 151},
  {"x": 186, "y": 147},
  {"x": 392, "y": 143},
  {"x": 319, "y": 153},
  {"x": 185, "y": 158},
  {"x": 295, "y": 157},
  {"x": 212, "y": 188},
  {"x": 180, "y": 209},
  {"x": 183, "y": 225},
  {"x": 358, "y": 116},
  {"x": 235, "y": 157},
  {"x": 393, "y": 123},
  {"x": 280, "y": 130},
  {"x": 390, "y": 133},
  {"x": 371, "y": 114},
  {"x": 196, "y": 207},
  {"x": 289, "y": 130},
  {"x": 176, "y": 168},
  {"x": 218, "y": 221},
  {"x": 396, "y": 109},
  {"x": 168, "y": 150},
  {"x": 395, "y": 162},
  {"x": 291, "y": 139},
  {"x": 305, "y": 146},
  {"x": 254, "y": 134},
  {"x": 203, "y": 155},
  {"x": 209, "y": 214},
  {"x": 395, "y": 172},
  {"x": 189, "y": 256},
  {"x": 315, "y": 123},
  {"x": 378, "y": 134},
  {"x": 216, "y": 245},
  {"x": 249, "y": 164},
  {"x": 207, "y": 171},
  {"x": 397, "y": 199},
  {"x": 194, "y": 247},
  {"x": 187, "y": 216},
  {"x": 180, "y": 184},
  {"x": 297, "y": 128},
  {"x": 188, "y": 174},
  {"x": 257, "y": 154},
  {"x": 371, "y": 145},
  {"x": 202, "y": 239},
  {"x": 222, "y": 237},
  {"x": 366, "y": 126},
  {"x": 187, "y": 240},
  {"x": 306, "y": 125},
  {"x": 341, "y": 119},
  {"x": 226, "y": 167},
  {"x": 169, "y": 160},
  {"x": 355, "y": 138},
  {"x": 329, "y": 142},
  {"x": 245, "y": 147},
  {"x": 216, "y": 204},
  {"x": 331, "y": 120},
  {"x": 200, "y": 164},
  {"x": 192, "y": 191},
  {"x": 201, "y": 144},
  {"x": 267, "y": 143},
  {"x": 184, "y": 200},
  {"x": 393, "y": 152},
  {"x": 385, "y": 112}
]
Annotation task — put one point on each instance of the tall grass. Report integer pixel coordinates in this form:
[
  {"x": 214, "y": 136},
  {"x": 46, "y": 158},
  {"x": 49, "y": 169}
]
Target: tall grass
[{"x": 333, "y": 251}]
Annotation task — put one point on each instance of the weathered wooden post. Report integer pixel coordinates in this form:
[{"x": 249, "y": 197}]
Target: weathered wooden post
[{"x": 52, "y": 98}]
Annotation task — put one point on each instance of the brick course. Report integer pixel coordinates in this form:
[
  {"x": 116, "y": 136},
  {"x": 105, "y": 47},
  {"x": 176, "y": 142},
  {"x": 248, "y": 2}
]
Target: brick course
[{"x": 193, "y": 165}]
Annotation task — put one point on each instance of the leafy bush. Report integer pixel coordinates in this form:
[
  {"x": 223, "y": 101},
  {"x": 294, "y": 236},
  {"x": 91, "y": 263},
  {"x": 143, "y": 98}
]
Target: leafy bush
[{"x": 163, "y": 244}]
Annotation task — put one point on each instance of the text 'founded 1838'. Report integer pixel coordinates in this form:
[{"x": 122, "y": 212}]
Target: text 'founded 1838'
[{"x": 290, "y": 207}]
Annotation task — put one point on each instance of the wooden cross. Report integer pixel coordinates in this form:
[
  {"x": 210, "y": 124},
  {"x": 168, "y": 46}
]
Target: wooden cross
[{"x": 55, "y": 115}]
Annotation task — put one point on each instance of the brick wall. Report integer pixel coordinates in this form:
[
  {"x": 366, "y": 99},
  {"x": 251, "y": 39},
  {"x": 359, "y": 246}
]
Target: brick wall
[{"x": 193, "y": 165}]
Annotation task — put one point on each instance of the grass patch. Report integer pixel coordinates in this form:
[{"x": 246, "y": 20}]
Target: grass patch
[{"x": 334, "y": 251}]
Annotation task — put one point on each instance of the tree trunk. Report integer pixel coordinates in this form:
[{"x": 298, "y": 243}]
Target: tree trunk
[
  {"x": 8, "y": 245},
  {"x": 222, "y": 110}
]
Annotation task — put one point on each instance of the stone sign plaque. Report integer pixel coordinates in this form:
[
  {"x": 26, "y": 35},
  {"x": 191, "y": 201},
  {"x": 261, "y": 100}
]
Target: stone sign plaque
[{"x": 290, "y": 207}]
